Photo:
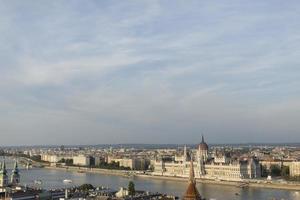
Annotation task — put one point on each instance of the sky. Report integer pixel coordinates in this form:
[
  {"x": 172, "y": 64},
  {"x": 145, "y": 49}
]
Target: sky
[{"x": 167, "y": 71}]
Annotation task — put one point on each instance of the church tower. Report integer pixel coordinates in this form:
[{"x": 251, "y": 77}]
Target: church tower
[
  {"x": 15, "y": 177},
  {"x": 3, "y": 175},
  {"x": 192, "y": 192}
]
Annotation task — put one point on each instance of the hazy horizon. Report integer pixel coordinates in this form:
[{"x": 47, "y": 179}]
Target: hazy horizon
[
  {"x": 92, "y": 72},
  {"x": 156, "y": 145}
]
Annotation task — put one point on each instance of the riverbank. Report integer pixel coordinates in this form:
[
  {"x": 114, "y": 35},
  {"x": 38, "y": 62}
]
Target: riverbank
[
  {"x": 123, "y": 173},
  {"x": 131, "y": 174},
  {"x": 283, "y": 186}
]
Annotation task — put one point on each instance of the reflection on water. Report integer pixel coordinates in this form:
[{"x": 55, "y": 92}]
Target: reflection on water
[{"x": 54, "y": 179}]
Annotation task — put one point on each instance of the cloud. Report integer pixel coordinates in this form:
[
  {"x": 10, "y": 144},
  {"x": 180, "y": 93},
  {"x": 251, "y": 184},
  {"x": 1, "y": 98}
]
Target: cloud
[{"x": 148, "y": 72}]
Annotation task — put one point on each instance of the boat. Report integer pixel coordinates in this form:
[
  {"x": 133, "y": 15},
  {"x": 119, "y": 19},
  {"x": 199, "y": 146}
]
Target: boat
[
  {"x": 38, "y": 182},
  {"x": 67, "y": 181}
]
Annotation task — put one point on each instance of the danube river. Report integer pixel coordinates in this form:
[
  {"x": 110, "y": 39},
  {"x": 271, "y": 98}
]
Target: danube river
[{"x": 52, "y": 178}]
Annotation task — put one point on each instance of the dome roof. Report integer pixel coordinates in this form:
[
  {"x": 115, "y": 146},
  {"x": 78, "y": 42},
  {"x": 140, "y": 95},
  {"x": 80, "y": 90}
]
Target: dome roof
[{"x": 203, "y": 145}]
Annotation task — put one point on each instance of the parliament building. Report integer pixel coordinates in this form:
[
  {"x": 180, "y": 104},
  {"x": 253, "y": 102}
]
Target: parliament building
[{"x": 219, "y": 166}]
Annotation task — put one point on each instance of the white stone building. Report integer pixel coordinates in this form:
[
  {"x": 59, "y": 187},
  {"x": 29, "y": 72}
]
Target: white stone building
[
  {"x": 295, "y": 168},
  {"x": 81, "y": 160},
  {"x": 221, "y": 167}
]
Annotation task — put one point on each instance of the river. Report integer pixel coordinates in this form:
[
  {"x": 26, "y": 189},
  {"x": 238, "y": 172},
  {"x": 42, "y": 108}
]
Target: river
[{"x": 52, "y": 178}]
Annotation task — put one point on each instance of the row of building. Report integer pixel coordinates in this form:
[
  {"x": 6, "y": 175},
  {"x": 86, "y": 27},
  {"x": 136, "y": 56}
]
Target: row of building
[
  {"x": 133, "y": 163},
  {"x": 167, "y": 162}
]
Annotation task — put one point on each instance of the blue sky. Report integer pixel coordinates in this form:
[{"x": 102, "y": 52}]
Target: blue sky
[{"x": 91, "y": 72}]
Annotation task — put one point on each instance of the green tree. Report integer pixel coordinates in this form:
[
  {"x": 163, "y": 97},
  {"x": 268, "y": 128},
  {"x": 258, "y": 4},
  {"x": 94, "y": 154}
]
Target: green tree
[
  {"x": 86, "y": 187},
  {"x": 264, "y": 171},
  {"x": 285, "y": 171},
  {"x": 62, "y": 160},
  {"x": 131, "y": 188},
  {"x": 275, "y": 170}
]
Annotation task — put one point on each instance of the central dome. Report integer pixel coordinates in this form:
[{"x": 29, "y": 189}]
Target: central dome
[{"x": 203, "y": 145}]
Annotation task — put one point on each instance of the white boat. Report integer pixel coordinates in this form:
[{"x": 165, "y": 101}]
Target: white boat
[
  {"x": 67, "y": 181},
  {"x": 38, "y": 182}
]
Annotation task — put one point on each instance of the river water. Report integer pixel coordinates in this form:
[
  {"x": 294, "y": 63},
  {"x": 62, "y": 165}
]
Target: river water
[{"x": 54, "y": 179}]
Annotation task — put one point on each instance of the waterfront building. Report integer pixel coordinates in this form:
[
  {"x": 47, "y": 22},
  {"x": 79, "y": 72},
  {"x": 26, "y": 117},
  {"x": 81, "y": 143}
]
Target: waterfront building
[
  {"x": 132, "y": 163},
  {"x": 295, "y": 169},
  {"x": 236, "y": 169},
  {"x": 53, "y": 158},
  {"x": 269, "y": 162},
  {"x": 96, "y": 160},
  {"x": 81, "y": 160},
  {"x": 192, "y": 191},
  {"x": 15, "y": 176},
  {"x": 3, "y": 175},
  {"x": 221, "y": 166},
  {"x": 127, "y": 162}
]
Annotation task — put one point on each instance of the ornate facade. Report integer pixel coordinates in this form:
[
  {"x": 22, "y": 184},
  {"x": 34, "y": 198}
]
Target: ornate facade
[{"x": 217, "y": 167}]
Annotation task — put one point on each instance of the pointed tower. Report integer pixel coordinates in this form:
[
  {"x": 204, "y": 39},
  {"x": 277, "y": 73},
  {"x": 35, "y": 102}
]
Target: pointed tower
[
  {"x": 3, "y": 175},
  {"x": 203, "y": 150},
  {"x": 184, "y": 153},
  {"x": 15, "y": 176},
  {"x": 184, "y": 161},
  {"x": 192, "y": 192}
]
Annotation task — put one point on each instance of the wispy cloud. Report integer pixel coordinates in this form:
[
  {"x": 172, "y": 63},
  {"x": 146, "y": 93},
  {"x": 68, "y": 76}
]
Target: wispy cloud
[{"x": 129, "y": 71}]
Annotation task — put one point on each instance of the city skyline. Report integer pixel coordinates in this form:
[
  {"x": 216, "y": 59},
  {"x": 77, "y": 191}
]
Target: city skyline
[{"x": 149, "y": 72}]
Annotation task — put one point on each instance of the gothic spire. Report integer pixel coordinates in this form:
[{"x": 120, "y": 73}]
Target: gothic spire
[
  {"x": 16, "y": 170},
  {"x": 184, "y": 153},
  {"x": 192, "y": 192},
  {"x": 4, "y": 167}
]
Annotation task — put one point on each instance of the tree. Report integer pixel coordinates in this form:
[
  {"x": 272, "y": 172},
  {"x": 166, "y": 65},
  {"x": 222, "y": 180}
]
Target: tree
[
  {"x": 86, "y": 187},
  {"x": 69, "y": 162},
  {"x": 62, "y": 160},
  {"x": 275, "y": 170},
  {"x": 285, "y": 171},
  {"x": 264, "y": 171},
  {"x": 131, "y": 188}
]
